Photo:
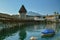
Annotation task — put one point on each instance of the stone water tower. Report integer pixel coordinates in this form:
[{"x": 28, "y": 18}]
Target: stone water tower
[{"x": 22, "y": 12}]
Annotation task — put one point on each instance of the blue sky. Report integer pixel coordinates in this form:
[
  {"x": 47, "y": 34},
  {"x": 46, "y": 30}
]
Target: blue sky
[{"x": 40, "y": 6}]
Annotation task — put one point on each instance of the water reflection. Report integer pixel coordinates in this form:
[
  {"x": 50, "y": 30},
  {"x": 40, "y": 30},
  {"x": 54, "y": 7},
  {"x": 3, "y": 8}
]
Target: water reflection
[
  {"x": 22, "y": 32},
  {"x": 26, "y": 31},
  {"x": 7, "y": 32},
  {"x": 55, "y": 26}
]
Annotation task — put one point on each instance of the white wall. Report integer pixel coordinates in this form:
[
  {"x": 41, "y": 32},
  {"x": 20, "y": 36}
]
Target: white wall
[{"x": 23, "y": 15}]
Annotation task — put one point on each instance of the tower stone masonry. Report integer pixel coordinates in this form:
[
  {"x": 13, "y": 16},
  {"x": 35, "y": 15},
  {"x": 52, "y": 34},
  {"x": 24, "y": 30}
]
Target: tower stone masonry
[{"x": 22, "y": 12}]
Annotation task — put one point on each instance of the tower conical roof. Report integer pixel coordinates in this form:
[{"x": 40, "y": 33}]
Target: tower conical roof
[{"x": 22, "y": 9}]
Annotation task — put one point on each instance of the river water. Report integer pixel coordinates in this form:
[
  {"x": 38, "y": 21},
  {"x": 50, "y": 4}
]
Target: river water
[{"x": 26, "y": 31}]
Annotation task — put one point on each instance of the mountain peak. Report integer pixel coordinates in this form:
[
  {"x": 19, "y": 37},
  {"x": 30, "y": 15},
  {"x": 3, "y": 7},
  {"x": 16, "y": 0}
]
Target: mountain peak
[{"x": 33, "y": 13}]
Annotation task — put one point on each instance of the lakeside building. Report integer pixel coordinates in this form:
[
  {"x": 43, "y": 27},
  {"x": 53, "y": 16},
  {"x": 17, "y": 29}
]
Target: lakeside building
[{"x": 54, "y": 17}]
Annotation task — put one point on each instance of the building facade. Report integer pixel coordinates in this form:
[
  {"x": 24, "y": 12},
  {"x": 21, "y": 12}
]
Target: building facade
[
  {"x": 55, "y": 17},
  {"x": 22, "y": 12}
]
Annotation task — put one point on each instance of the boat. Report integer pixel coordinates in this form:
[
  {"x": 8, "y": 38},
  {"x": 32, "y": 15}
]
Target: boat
[{"x": 48, "y": 33}]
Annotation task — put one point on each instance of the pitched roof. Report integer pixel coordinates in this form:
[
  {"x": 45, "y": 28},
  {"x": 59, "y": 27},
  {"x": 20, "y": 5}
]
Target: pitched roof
[{"x": 22, "y": 9}]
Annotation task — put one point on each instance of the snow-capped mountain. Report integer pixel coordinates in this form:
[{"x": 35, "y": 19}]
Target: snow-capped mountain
[{"x": 33, "y": 14}]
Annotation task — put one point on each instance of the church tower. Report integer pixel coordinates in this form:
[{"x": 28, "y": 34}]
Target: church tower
[{"x": 22, "y": 12}]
